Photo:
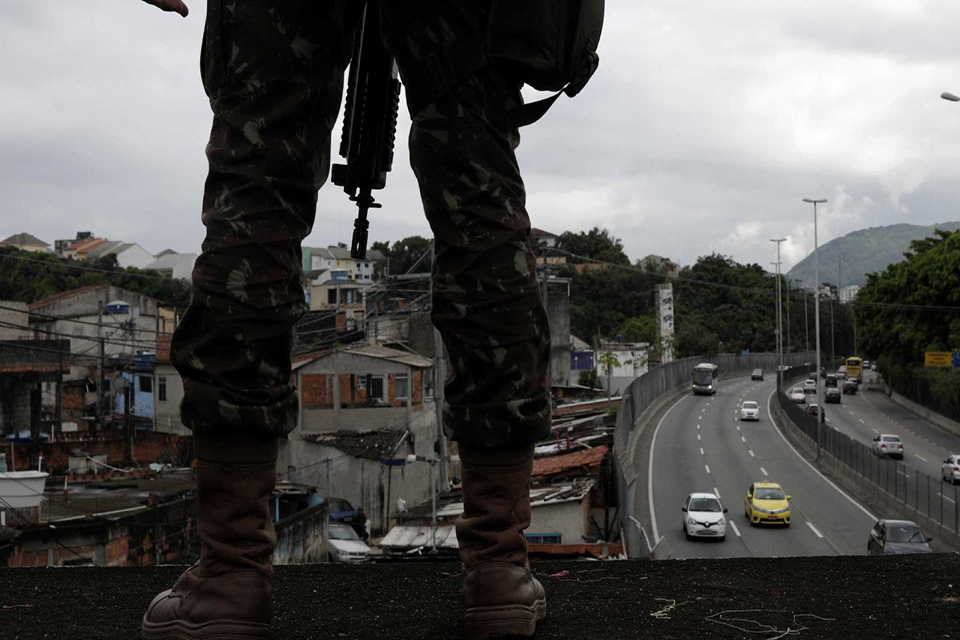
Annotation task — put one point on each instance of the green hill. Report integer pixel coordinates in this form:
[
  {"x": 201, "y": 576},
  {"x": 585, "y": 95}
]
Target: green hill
[{"x": 862, "y": 252}]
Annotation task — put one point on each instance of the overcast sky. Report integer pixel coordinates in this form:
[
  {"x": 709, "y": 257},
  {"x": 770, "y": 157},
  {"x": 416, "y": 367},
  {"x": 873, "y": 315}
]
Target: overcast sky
[{"x": 704, "y": 127}]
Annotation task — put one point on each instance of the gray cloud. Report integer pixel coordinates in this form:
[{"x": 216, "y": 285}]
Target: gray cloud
[{"x": 703, "y": 129}]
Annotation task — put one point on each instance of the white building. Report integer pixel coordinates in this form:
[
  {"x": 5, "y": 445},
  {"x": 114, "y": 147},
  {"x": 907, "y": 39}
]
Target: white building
[
  {"x": 129, "y": 254},
  {"x": 174, "y": 265},
  {"x": 848, "y": 293}
]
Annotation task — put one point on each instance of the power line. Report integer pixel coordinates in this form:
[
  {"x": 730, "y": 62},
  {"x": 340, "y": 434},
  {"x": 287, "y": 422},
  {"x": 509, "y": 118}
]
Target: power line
[{"x": 58, "y": 264}]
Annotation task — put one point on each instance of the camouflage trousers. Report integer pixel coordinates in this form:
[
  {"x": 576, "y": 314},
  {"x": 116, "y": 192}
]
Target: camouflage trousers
[{"x": 273, "y": 72}]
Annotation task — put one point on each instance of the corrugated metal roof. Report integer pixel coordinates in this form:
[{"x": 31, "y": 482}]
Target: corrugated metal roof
[
  {"x": 393, "y": 355},
  {"x": 370, "y": 445},
  {"x": 404, "y": 536}
]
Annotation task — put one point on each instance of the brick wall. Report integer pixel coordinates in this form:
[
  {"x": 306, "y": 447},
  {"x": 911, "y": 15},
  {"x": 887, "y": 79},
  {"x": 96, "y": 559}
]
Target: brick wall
[
  {"x": 316, "y": 390},
  {"x": 147, "y": 447}
]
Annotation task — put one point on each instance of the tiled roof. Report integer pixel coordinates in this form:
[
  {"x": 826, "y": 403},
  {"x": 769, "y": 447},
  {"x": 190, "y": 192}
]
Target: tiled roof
[
  {"x": 584, "y": 460},
  {"x": 371, "y": 445},
  {"x": 25, "y": 239},
  {"x": 64, "y": 295}
]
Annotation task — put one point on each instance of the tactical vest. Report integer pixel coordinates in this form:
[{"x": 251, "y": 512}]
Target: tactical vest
[{"x": 550, "y": 45}]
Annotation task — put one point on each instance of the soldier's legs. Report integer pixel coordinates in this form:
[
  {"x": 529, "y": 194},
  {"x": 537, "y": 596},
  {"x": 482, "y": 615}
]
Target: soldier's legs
[
  {"x": 488, "y": 308},
  {"x": 273, "y": 72}
]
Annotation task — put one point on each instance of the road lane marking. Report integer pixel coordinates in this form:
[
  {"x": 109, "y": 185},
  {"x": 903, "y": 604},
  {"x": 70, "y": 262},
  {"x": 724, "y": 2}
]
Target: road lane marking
[
  {"x": 945, "y": 497},
  {"x": 861, "y": 421},
  {"x": 734, "y": 526},
  {"x": 921, "y": 457},
  {"x": 707, "y": 467},
  {"x": 751, "y": 453},
  {"x": 653, "y": 446},
  {"x": 875, "y": 431},
  {"x": 902, "y": 473},
  {"x": 815, "y": 470},
  {"x": 743, "y": 439},
  {"x": 716, "y": 492},
  {"x": 763, "y": 471},
  {"x": 701, "y": 451},
  {"x": 698, "y": 436},
  {"x": 814, "y": 529}
]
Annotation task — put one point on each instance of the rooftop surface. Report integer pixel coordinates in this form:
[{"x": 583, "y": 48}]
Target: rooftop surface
[{"x": 840, "y": 597}]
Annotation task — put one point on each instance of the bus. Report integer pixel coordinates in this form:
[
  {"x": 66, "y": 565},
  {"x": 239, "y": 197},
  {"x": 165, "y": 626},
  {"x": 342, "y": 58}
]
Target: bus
[
  {"x": 854, "y": 368},
  {"x": 705, "y": 378}
]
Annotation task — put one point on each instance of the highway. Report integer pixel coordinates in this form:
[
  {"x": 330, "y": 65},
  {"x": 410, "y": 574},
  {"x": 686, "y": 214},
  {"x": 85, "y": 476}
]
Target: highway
[
  {"x": 866, "y": 414},
  {"x": 701, "y": 445}
]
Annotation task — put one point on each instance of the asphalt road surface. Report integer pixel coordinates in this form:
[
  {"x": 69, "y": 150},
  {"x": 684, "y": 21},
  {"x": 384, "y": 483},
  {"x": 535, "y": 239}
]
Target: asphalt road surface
[{"x": 701, "y": 445}]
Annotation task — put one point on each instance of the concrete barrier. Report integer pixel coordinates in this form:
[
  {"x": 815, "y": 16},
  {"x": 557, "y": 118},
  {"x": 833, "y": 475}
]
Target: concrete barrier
[
  {"x": 871, "y": 496},
  {"x": 950, "y": 426}
]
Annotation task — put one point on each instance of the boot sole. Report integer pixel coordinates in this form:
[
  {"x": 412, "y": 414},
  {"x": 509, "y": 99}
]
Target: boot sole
[
  {"x": 217, "y": 630},
  {"x": 481, "y": 623}
]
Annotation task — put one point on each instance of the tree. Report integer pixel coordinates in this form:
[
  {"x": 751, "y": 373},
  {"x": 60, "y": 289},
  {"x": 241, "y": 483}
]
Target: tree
[
  {"x": 405, "y": 253},
  {"x": 588, "y": 378},
  {"x": 596, "y": 244}
]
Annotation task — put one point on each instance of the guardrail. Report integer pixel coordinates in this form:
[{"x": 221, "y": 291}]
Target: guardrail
[
  {"x": 930, "y": 497},
  {"x": 644, "y": 391}
]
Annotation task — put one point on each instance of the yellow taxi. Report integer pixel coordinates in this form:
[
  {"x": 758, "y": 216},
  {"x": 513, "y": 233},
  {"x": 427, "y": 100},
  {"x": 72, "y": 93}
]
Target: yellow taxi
[{"x": 766, "y": 503}]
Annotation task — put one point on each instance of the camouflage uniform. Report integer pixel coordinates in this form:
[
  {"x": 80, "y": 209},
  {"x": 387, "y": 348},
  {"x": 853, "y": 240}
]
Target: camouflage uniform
[{"x": 274, "y": 74}]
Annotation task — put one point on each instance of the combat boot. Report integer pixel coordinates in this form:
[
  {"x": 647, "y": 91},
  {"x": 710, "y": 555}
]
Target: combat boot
[
  {"x": 228, "y": 592},
  {"x": 501, "y": 596}
]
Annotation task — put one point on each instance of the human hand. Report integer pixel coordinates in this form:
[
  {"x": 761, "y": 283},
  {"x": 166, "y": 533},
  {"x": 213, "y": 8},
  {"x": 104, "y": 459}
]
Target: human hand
[{"x": 170, "y": 5}]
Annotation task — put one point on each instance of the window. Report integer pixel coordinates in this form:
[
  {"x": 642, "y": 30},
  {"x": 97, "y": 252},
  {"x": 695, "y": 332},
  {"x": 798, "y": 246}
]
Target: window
[
  {"x": 376, "y": 387},
  {"x": 162, "y": 388},
  {"x": 543, "y": 538},
  {"x": 331, "y": 296},
  {"x": 401, "y": 386},
  {"x": 361, "y": 382},
  {"x": 146, "y": 384}
]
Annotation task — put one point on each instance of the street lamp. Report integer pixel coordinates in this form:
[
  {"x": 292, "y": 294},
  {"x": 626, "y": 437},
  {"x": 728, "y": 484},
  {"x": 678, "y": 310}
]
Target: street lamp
[
  {"x": 779, "y": 318},
  {"x": 433, "y": 496},
  {"x": 816, "y": 309}
]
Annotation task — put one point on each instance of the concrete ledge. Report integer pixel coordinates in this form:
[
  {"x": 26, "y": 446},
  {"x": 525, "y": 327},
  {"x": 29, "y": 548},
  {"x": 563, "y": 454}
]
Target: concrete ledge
[
  {"x": 950, "y": 426},
  {"x": 871, "y": 496}
]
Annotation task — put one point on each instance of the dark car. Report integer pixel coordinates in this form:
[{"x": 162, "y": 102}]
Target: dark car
[
  {"x": 832, "y": 395},
  {"x": 812, "y": 409},
  {"x": 823, "y": 372},
  {"x": 757, "y": 374},
  {"x": 830, "y": 380},
  {"x": 890, "y": 537},
  {"x": 850, "y": 386},
  {"x": 341, "y": 510}
]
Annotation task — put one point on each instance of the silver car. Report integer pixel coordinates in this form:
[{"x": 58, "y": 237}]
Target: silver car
[
  {"x": 950, "y": 469},
  {"x": 750, "y": 410},
  {"x": 344, "y": 545},
  {"x": 887, "y": 444},
  {"x": 703, "y": 517}
]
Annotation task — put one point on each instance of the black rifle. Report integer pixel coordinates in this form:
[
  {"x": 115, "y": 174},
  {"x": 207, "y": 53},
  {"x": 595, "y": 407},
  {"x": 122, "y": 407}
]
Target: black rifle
[{"x": 369, "y": 124}]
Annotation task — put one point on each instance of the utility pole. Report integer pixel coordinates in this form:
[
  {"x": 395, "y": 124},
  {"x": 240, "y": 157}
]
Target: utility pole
[
  {"x": 786, "y": 283},
  {"x": 100, "y": 364},
  {"x": 816, "y": 312},
  {"x": 779, "y": 317},
  {"x": 806, "y": 324},
  {"x": 439, "y": 379}
]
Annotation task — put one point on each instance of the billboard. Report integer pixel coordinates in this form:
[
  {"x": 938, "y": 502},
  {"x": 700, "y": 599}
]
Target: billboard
[{"x": 938, "y": 359}]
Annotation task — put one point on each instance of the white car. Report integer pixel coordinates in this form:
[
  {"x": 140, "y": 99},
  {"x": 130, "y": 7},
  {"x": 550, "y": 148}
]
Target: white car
[
  {"x": 750, "y": 410},
  {"x": 950, "y": 469},
  {"x": 703, "y": 517},
  {"x": 797, "y": 395},
  {"x": 810, "y": 386},
  {"x": 344, "y": 545},
  {"x": 887, "y": 444}
]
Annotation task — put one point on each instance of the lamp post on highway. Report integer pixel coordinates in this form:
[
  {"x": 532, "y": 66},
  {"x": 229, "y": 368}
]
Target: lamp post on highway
[
  {"x": 779, "y": 318},
  {"x": 816, "y": 310}
]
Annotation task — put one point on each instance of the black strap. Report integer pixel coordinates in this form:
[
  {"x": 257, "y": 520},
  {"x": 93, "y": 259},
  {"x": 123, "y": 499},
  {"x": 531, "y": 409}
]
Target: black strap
[{"x": 529, "y": 113}]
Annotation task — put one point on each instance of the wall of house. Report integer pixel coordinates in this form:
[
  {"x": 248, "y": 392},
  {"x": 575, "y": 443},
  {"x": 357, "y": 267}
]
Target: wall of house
[
  {"x": 363, "y": 482},
  {"x": 302, "y": 537},
  {"x": 18, "y": 317},
  {"x": 317, "y": 389},
  {"x": 147, "y": 447},
  {"x": 168, "y": 411},
  {"x": 142, "y": 400},
  {"x": 558, "y": 311},
  {"x": 134, "y": 256},
  {"x": 565, "y": 518}
]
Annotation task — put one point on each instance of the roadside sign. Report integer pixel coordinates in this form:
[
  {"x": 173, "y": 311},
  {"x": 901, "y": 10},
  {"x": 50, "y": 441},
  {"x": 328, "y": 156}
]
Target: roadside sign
[{"x": 938, "y": 359}]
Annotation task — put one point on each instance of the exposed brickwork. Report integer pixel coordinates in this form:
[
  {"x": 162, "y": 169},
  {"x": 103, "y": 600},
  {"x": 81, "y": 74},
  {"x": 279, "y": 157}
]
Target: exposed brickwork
[
  {"x": 316, "y": 390},
  {"x": 147, "y": 447}
]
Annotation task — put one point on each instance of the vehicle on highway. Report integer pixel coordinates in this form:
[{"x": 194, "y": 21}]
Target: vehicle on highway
[
  {"x": 854, "y": 367},
  {"x": 832, "y": 395},
  {"x": 750, "y": 410},
  {"x": 873, "y": 366},
  {"x": 830, "y": 380},
  {"x": 888, "y": 444},
  {"x": 810, "y": 386},
  {"x": 703, "y": 517},
  {"x": 757, "y": 374},
  {"x": 344, "y": 545},
  {"x": 813, "y": 407},
  {"x": 823, "y": 372},
  {"x": 842, "y": 370},
  {"x": 950, "y": 469},
  {"x": 850, "y": 386},
  {"x": 766, "y": 503},
  {"x": 705, "y": 378},
  {"x": 889, "y": 537},
  {"x": 866, "y": 364},
  {"x": 797, "y": 395}
]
